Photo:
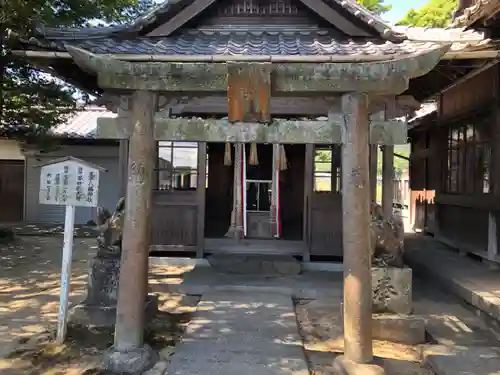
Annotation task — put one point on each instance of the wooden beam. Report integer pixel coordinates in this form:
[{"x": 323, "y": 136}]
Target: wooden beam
[
  {"x": 129, "y": 330},
  {"x": 356, "y": 232},
  {"x": 296, "y": 106},
  {"x": 390, "y": 76},
  {"x": 186, "y": 14},
  {"x": 326, "y": 131}
]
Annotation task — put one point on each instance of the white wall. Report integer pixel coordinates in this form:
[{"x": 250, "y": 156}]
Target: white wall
[{"x": 10, "y": 150}]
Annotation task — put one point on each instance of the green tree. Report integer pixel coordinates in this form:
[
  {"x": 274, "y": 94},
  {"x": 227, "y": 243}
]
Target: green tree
[
  {"x": 436, "y": 13},
  {"x": 375, "y": 6},
  {"x": 31, "y": 102}
]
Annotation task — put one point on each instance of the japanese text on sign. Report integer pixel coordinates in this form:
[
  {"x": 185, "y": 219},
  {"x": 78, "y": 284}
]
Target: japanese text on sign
[{"x": 69, "y": 182}]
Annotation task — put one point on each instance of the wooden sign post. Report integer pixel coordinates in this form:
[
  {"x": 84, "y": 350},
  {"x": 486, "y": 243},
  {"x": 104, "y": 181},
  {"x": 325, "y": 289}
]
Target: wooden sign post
[{"x": 72, "y": 183}]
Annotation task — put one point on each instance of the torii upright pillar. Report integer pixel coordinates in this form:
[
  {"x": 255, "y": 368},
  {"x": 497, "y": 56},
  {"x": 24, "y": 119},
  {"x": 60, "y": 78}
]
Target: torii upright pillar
[
  {"x": 129, "y": 353},
  {"x": 358, "y": 350}
]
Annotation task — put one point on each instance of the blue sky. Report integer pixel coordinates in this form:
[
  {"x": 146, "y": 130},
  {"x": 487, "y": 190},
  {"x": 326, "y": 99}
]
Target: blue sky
[{"x": 400, "y": 7}]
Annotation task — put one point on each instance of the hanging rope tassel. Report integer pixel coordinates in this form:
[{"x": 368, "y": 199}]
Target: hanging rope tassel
[
  {"x": 283, "y": 162},
  {"x": 227, "y": 155},
  {"x": 254, "y": 158}
]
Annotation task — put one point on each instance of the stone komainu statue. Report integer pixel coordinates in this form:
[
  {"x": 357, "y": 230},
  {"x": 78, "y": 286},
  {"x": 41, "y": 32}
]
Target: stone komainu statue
[
  {"x": 110, "y": 228},
  {"x": 387, "y": 238}
]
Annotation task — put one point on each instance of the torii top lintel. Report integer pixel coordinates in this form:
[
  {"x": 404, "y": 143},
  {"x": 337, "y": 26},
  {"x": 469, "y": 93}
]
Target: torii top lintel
[{"x": 389, "y": 76}]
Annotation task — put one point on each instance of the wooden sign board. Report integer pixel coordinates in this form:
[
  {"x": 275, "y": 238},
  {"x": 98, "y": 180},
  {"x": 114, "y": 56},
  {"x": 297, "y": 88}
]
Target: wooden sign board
[
  {"x": 73, "y": 183},
  {"x": 69, "y": 181},
  {"x": 249, "y": 92}
]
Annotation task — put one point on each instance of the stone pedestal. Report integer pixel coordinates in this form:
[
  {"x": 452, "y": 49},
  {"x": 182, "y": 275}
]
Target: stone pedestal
[
  {"x": 403, "y": 329},
  {"x": 99, "y": 307},
  {"x": 392, "y": 290}
]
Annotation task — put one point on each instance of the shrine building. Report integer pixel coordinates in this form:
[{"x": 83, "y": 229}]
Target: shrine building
[{"x": 248, "y": 110}]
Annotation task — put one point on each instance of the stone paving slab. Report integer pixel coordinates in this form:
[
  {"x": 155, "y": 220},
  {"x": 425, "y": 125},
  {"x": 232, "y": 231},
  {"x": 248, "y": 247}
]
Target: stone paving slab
[
  {"x": 248, "y": 333},
  {"x": 460, "y": 360}
]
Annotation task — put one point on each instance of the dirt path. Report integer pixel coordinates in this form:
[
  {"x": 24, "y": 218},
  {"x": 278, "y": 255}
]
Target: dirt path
[{"x": 29, "y": 284}]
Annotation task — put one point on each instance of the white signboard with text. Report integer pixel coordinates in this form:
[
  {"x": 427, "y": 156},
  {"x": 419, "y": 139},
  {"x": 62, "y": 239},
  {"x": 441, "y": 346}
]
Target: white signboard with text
[
  {"x": 69, "y": 182},
  {"x": 72, "y": 183}
]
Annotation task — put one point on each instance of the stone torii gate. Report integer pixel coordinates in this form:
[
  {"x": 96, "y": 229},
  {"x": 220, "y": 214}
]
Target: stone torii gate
[{"x": 248, "y": 84}]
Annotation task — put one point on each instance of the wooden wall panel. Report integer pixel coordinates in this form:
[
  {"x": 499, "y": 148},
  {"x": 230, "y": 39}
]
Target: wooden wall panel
[
  {"x": 463, "y": 226},
  {"x": 326, "y": 224},
  {"x": 469, "y": 95},
  {"x": 174, "y": 225},
  {"x": 12, "y": 190}
]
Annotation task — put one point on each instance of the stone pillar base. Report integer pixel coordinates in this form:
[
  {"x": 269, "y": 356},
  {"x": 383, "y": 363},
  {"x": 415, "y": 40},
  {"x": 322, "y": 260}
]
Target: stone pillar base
[
  {"x": 105, "y": 316},
  {"x": 134, "y": 361},
  {"x": 344, "y": 366}
]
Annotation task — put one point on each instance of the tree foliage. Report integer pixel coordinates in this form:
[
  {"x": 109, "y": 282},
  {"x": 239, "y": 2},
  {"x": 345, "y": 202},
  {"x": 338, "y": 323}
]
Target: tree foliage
[
  {"x": 31, "y": 102},
  {"x": 376, "y": 6},
  {"x": 436, "y": 13}
]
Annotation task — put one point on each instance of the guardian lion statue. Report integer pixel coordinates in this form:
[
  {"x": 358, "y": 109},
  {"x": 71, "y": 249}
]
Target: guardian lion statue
[
  {"x": 110, "y": 228},
  {"x": 387, "y": 238}
]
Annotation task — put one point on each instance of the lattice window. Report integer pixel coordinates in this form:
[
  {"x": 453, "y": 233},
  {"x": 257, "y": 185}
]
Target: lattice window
[
  {"x": 259, "y": 8},
  {"x": 327, "y": 169},
  {"x": 176, "y": 167},
  {"x": 468, "y": 162}
]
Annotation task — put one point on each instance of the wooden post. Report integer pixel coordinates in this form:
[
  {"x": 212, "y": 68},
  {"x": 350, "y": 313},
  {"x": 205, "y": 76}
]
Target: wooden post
[
  {"x": 373, "y": 172},
  {"x": 308, "y": 191},
  {"x": 200, "y": 192},
  {"x": 492, "y": 241},
  {"x": 69, "y": 224},
  {"x": 132, "y": 292},
  {"x": 387, "y": 180},
  {"x": 356, "y": 230},
  {"x": 123, "y": 166}
]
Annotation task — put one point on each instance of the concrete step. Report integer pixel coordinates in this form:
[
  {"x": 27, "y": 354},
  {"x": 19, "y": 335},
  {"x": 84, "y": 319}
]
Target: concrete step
[
  {"x": 265, "y": 265},
  {"x": 467, "y": 279}
]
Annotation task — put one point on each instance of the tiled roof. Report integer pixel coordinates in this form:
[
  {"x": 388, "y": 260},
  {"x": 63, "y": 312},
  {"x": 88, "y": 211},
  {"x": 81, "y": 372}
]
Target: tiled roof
[
  {"x": 472, "y": 14},
  {"x": 203, "y": 42},
  {"x": 303, "y": 41},
  {"x": 461, "y": 39},
  {"x": 83, "y": 124}
]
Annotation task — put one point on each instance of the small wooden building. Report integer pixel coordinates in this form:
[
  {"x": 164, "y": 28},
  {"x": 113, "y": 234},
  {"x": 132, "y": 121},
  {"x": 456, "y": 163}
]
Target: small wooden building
[
  {"x": 454, "y": 165},
  {"x": 455, "y": 158},
  {"x": 194, "y": 200}
]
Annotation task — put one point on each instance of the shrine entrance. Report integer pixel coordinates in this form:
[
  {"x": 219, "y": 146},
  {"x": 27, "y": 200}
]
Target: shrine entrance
[{"x": 259, "y": 167}]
